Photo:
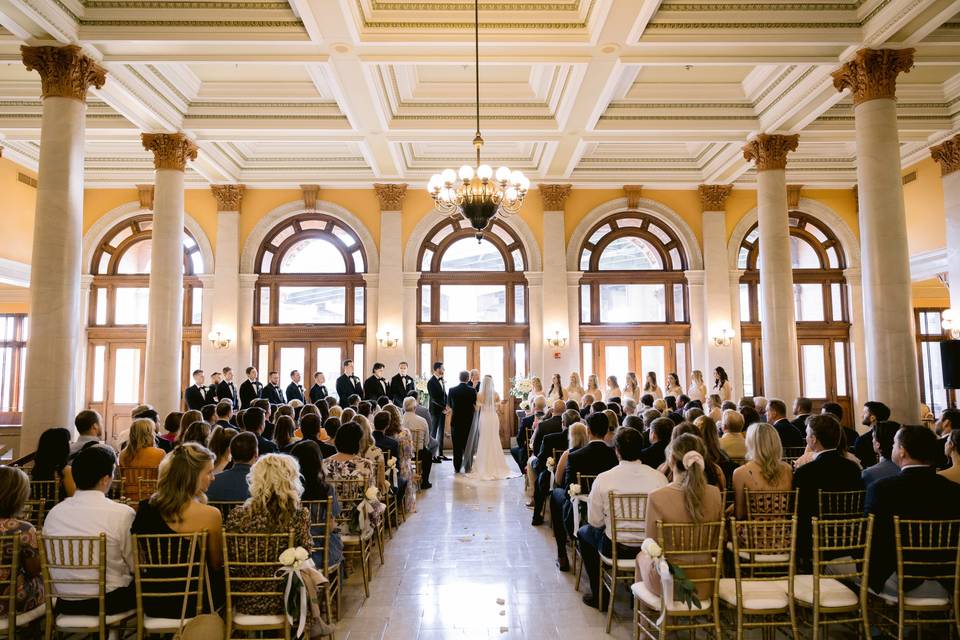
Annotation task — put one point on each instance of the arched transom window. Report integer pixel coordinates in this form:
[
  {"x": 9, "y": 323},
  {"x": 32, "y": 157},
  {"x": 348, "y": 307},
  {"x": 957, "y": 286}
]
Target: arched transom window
[
  {"x": 633, "y": 268},
  {"x": 468, "y": 281},
  {"x": 121, "y": 274},
  {"x": 311, "y": 268}
]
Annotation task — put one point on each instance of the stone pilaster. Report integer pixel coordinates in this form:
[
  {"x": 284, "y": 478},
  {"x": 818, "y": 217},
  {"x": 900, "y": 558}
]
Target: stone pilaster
[
  {"x": 716, "y": 283},
  {"x": 225, "y": 310},
  {"x": 554, "y": 304},
  {"x": 947, "y": 155},
  {"x": 389, "y": 309}
]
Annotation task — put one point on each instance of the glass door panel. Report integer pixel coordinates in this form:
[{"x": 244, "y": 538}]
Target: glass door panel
[
  {"x": 124, "y": 389},
  {"x": 455, "y": 358},
  {"x": 616, "y": 362},
  {"x": 290, "y": 359},
  {"x": 652, "y": 358},
  {"x": 328, "y": 361},
  {"x": 813, "y": 360},
  {"x": 491, "y": 363}
]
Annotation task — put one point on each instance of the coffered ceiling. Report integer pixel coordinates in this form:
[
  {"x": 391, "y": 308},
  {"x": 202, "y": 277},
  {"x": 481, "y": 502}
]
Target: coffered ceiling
[{"x": 595, "y": 92}]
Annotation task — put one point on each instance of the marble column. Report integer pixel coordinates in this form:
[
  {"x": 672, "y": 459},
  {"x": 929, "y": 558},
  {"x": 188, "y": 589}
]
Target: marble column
[
  {"x": 65, "y": 75},
  {"x": 781, "y": 373},
  {"x": 171, "y": 151},
  {"x": 389, "y": 310},
  {"x": 696, "y": 316},
  {"x": 224, "y": 307},
  {"x": 411, "y": 313},
  {"x": 717, "y": 294},
  {"x": 370, "y": 302},
  {"x": 535, "y": 315},
  {"x": 247, "y": 316},
  {"x": 554, "y": 307},
  {"x": 891, "y": 351},
  {"x": 947, "y": 155}
]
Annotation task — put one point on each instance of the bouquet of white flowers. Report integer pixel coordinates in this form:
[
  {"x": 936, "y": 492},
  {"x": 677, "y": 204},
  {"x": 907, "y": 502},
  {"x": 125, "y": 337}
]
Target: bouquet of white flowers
[
  {"x": 574, "y": 490},
  {"x": 295, "y": 593},
  {"x": 675, "y": 584},
  {"x": 420, "y": 384},
  {"x": 551, "y": 464},
  {"x": 520, "y": 387}
]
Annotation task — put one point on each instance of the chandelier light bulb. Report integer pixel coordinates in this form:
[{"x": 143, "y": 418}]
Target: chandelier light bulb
[
  {"x": 503, "y": 174},
  {"x": 484, "y": 172},
  {"x": 516, "y": 177},
  {"x": 435, "y": 183},
  {"x": 449, "y": 176},
  {"x": 510, "y": 193},
  {"x": 524, "y": 183},
  {"x": 466, "y": 173}
]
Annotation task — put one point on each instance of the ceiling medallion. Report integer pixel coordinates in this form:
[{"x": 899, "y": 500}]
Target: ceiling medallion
[{"x": 477, "y": 193}]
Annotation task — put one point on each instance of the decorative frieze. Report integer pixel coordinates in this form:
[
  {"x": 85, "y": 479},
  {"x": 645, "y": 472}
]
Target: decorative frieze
[
  {"x": 713, "y": 197},
  {"x": 170, "y": 150},
  {"x": 554, "y": 196},
  {"x": 228, "y": 196},
  {"x": 872, "y": 74},
  {"x": 947, "y": 155},
  {"x": 65, "y": 72},
  {"x": 390, "y": 196},
  {"x": 769, "y": 151}
]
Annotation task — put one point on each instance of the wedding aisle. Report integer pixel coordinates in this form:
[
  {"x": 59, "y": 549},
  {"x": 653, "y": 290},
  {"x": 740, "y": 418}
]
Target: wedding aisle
[{"x": 469, "y": 565}]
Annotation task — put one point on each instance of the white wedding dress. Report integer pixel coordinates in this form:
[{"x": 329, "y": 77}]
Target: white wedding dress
[{"x": 489, "y": 462}]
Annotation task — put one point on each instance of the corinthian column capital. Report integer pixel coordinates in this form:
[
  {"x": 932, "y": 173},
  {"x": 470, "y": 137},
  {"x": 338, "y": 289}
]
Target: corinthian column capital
[
  {"x": 390, "y": 196},
  {"x": 65, "y": 72},
  {"x": 170, "y": 150},
  {"x": 228, "y": 196},
  {"x": 713, "y": 197},
  {"x": 947, "y": 155},
  {"x": 554, "y": 196},
  {"x": 872, "y": 74},
  {"x": 769, "y": 151}
]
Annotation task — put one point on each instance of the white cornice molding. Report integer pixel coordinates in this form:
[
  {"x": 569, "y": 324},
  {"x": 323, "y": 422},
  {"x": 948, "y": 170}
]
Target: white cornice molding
[
  {"x": 928, "y": 264},
  {"x": 15, "y": 273}
]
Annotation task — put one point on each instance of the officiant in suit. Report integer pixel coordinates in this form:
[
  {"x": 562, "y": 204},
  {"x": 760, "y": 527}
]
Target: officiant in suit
[
  {"x": 463, "y": 404},
  {"x": 437, "y": 391},
  {"x": 348, "y": 384},
  {"x": 251, "y": 388},
  {"x": 318, "y": 392},
  {"x": 400, "y": 385}
]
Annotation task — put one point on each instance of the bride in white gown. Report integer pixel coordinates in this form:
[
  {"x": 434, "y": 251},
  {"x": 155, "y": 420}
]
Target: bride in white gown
[{"x": 483, "y": 456}]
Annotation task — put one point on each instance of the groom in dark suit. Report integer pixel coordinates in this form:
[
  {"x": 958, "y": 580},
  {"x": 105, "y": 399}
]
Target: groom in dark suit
[{"x": 463, "y": 402}]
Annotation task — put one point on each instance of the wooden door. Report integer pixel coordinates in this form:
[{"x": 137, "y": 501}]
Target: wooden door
[{"x": 115, "y": 384}]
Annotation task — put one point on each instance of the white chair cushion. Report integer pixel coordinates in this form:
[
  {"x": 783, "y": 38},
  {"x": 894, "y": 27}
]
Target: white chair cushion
[
  {"x": 761, "y": 557},
  {"x": 641, "y": 592},
  {"x": 24, "y": 618},
  {"x": 833, "y": 593},
  {"x": 929, "y": 594},
  {"x": 349, "y": 538},
  {"x": 249, "y": 620},
  {"x": 91, "y": 622},
  {"x": 622, "y": 563},
  {"x": 758, "y": 595},
  {"x": 158, "y": 624}
]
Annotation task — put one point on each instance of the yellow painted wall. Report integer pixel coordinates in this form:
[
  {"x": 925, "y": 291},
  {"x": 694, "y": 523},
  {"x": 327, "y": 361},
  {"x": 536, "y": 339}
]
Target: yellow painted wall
[
  {"x": 930, "y": 293},
  {"x": 18, "y": 203},
  {"x": 923, "y": 200}
]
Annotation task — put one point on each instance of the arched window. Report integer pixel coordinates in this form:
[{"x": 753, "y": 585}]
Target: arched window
[
  {"x": 820, "y": 301},
  {"x": 121, "y": 275}
]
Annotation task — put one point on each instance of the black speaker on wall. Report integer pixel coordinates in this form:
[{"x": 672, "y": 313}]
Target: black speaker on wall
[{"x": 950, "y": 361}]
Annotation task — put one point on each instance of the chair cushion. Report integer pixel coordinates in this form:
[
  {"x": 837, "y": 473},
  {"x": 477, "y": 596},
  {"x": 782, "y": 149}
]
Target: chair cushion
[
  {"x": 928, "y": 594},
  {"x": 833, "y": 593},
  {"x": 349, "y": 538},
  {"x": 622, "y": 563},
  {"x": 249, "y": 620},
  {"x": 158, "y": 624},
  {"x": 91, "y": 622},
  {"x": 758, "y": 595},
  {"x": 641, "y": 592},
  {"x": 761, "y": 557},
  {"x": 24, "y": 618}
]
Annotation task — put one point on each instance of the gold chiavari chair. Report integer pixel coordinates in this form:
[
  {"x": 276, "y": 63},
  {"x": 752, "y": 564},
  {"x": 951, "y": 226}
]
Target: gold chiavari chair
[
  {"x": 586, "y": 483},
  {"x": 761, "y": 591},
  {"x": 697, "y": 549},
  {"x": 419, "y": 444},
  {"x": 765, "y": 505},
  {"x": 928, "y": 555},
  {"x": 34, "y": 512},
  {"x": 139, "y": 483},
  {"x": 225, "y": 506},
  {"x": 84, "y": 559},
  {"x": 356, "y": 544},
  {"x": 10, "y": 566},
  {"x": 321, "y": 527},
  {"x": 841, "y": 553},
  {"x": 840, "y": 504},
  {"x": 251, "y": 562},
  {"x": 790, "y": 454},
  {"x": 628, "y": 515},
  {"x": 46, "y": 490},
  {"x": 391, "y": 516},
  {"x": 168, "y": 569}
]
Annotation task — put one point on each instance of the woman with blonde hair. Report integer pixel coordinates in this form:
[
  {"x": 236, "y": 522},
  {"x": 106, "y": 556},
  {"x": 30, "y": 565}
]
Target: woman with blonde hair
[
  {"x": 556, "y": 389},
  {"x": 536, "y": 390},
  {"x": 631, "y": 388},
  {"x": 371, "y": 452},
  {"x": 613, "y": 389},
  {"x": 140, "y": 453},
  {"x": 336, "y": 412},
  {"x": 575, "y": 389},
  {"x": 697, "y": 389},
  {"x": 220, "y": 441},
  {"x": 576, "y": 438},
  {"x": 764, "y": 469},
  {"x": 593, "y": 387},
  {"x": 14, "y": 493},
  {"x": 180, "y": 506}
]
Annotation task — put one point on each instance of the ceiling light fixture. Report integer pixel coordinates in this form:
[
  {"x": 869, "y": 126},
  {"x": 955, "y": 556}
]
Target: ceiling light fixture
[{"x": 478, "y": 194}]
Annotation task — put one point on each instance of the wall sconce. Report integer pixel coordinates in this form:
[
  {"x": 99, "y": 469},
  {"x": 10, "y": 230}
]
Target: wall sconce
[
  {"x": 949, "y": 323},
  {"x": 557, "y": 341},
  {"x": 387, "y": 341},
  {"x": 219, "y": 339},
  {"x": 724, "y": 338}
]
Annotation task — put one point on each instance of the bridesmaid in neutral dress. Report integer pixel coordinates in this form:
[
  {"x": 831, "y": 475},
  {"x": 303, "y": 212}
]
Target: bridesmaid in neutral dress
[
  {"x": 575, "y": 389},
  {"x": 697, "y": 390}
]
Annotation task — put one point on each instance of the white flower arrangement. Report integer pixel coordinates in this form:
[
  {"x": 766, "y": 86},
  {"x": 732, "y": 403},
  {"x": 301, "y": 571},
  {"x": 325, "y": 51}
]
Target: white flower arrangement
[
  {"x": 675, "y": 583},
  {"x": 551, "y": 464},
  {"x": 392, "y": 463},
  {"x": 521, "y": 387},
  {"x": 294, "y": 557},
  {"x": 420, "y": 384},
  {"x": 525, "y": 405},
  {"x": 372, "y": 494},
  {"x": 574, "y": 490},
  {"x": 651, "y": 549}
]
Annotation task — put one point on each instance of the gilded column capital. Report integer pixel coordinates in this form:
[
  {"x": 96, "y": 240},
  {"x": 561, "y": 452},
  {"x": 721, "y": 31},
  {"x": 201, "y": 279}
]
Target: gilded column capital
[
  {"x": 554, "y": 196},
  {"x": 145, "y": 195},
  {"x": 390, "y": 196},
  {"x": 713, "y": 197},
  {"x": 170, "y": 150},
  {"x": 872, "y": 74},
  {"x": 769, "y": 151},
  {"x": 947, "y": 155},
  {"x": 310, "y": 193},
  {"x": 633, "y": 192},
  {"x": 65, "y": 72},
  {"x": 228, "y": 196}
]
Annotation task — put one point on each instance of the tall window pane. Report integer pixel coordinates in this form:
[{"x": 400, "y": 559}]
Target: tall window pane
[
  {"x": 99, "y": 369},
  {"x": 359, "y": 316},
  {"x": 426, "y": 360},
  {"x": 358, "y": 357},
  {"x": 473, "y": 303},
  {"x": 808, "y": 299},
  {"x": 746, "y": 358},
  {"x": 744, "y": 302},
  {"x": 678, "y": 311},
  {"x": 312, "y": 305},
  {"x": 132, "y": 305},
  {"x": 840, "y": 364},
  {"x": 520, "y": 358},
  {"x": 632, "y": 303},
  {"x": 196, "y": 305},
  {"x": 585, "y": 302},
  {"x": 519, "y": 306},
  {"x": 814, "y": 374},
  {"x": 587, "y": 361},
  {"x": 467, "y": 254},
  {"x": 263, "y": 359},
  {"x": 425, "y": 302},
  {"x": 264, "y": 311},
  {"x": 681, "y": 370},
  {"x": 126, "y": 377}
]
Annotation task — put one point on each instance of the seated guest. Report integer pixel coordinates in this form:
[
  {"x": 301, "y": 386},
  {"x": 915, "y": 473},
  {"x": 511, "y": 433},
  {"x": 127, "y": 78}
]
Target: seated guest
[
  {"x": 873, "y": 412},
  {"x": 712, "y": 470},
  {"x": 916, "y": 493},
  {"x": 187, "y": 418},
  {"x": 835, "y": 410},
  {"x": 231, "y": 485},
  {"x": 384, "y": 442},
  {"x": 139, "y": 454},
  {"x": 171, "y": 426},
  {"x": 750, "y": 416},
  {"x": 659, "y": 434},
  {"x": 404, "y": 438},
  {"x": 710, "y": 435},
  {"x": 89, "y": 430},
  {"x": 220, "y": 441},
  {"x": 577, "y": 437},
  {"x": 883, "y": 435},
  {"x": 519, "y": 452},
  {"x": 348, "y": 464},
  {"x": 283, "y": 433},
  {"x": 330, "y": 426},
  {"x": 629, "y": 476},
  {"x": 790, "y": 435},
  {"x": 550, "y": 443},
  {"x": 315, "y": 487},
  {"x": 198, "y": 432},
  {"x": 417, "y": 424},
  {"x": 828, "y": 471},
  {"x": 224, "y": 412},
  {"x": 551, "y": 423},
  {"x": 760, "y": 404},
  {"x": 803, "y": 407},
  {"x": 372, "y": 453},
  {"x": 952, "y": 452},
  {"x": 89, "y": 513},
  {"x": 714, "y": 407},
  {"x": 687, "y": 499},
  {"x": 179, "y": 506},
  {"x": 311, "y": 430},
  {"x": 732, "y": 442},
  {"x": 764, "y": 469},
  {"x": 253, "y": 421},
  {"x": 51, "y": 462},
  {"x": 14, "y": 493}
]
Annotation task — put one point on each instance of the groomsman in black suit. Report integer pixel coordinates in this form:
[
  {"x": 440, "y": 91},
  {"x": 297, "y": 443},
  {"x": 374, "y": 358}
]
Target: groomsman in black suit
[
  {"x": 400, "y": 385},
  {"x": 295, "y": 389},
  {"x": 195, "y": 394},
  {"x": 318, "y": 392},
  {"x": 348, "y": 384},
  {"x": 227, "y": 390},
  {"x": 376, "y": 385},
  {"x": 250, "y": 389},
  {"x": 437, "y": 390},
  {"x": 272, "y": 391},
  {"x": 212, "y": 388}
]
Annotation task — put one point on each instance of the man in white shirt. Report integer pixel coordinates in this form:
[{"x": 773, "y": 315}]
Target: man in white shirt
[
  {"x": 89, "y": 513},
  {"x": 629, "y": 476}
]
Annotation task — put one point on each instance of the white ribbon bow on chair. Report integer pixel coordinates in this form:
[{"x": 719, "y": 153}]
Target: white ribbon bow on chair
[{"x": 666, "y": 587}]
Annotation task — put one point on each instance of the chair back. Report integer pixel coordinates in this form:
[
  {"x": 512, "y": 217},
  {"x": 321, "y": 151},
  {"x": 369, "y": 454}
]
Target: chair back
[
  {"x": 697, "y": 549},
  {"x": 225, "y": 506},
  {"x": 139, "y": 483},
  {"x": 250, "y": 565},
  {"x": 169, "y": 567},
  {"x": 841, "y": 550},
  {"x": 628, "y": 515},
  {"x": 350, "y": 493},
  {"x": 84, "y": 559},
  {"x": 419, "y": 437},
  {"x": 321, "y": 526},
  {"x": 927, "y": 550},
  {"x": 34, "y": 512},
  {"x": 841, "y": 504},
  {"x": 586, "y": 483},
  {"x": 10, "y": 566},
  {"x": 790, "y": 454},
  {"x": 763, "y": 549},
  {"x": 766, "y": 505},
  {"x": 46, "y": 490}
]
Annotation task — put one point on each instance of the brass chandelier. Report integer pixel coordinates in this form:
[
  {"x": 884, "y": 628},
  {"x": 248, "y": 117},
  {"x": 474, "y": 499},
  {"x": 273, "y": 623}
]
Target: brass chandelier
[{"x": 477, "y": 193}]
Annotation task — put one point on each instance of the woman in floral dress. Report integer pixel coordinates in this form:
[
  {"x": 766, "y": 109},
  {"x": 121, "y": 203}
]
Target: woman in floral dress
[
  {"x": 14, "y": 492},
  {"x": 348, "y": 464},
  {"x": 405, "y": 463}
]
